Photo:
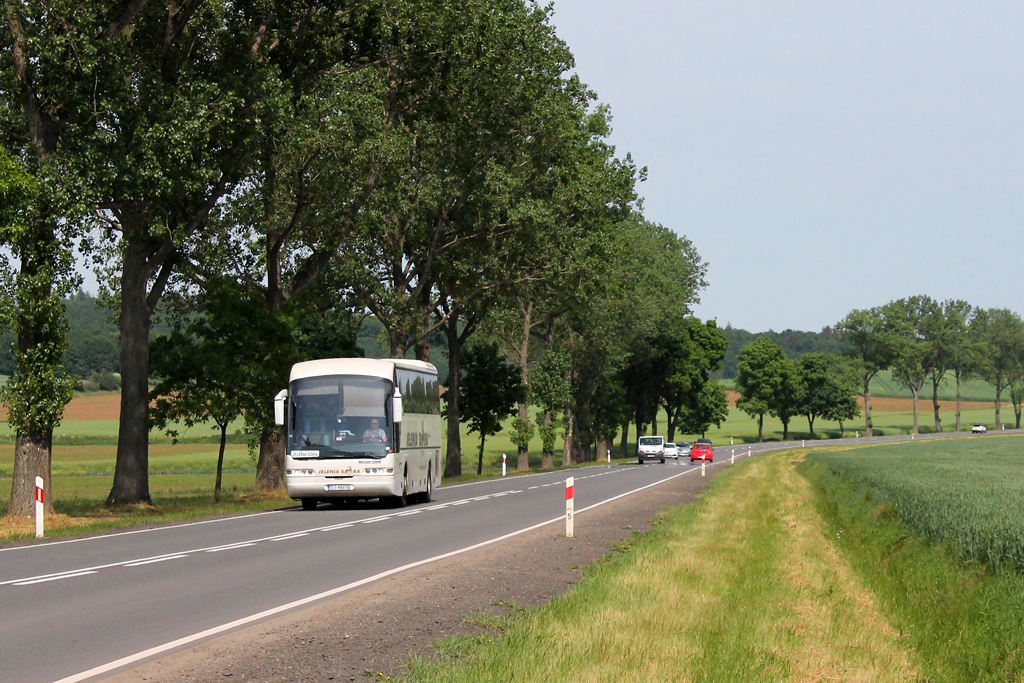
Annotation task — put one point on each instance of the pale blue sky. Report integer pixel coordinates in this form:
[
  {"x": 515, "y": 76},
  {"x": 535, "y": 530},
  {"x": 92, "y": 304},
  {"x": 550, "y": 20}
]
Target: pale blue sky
[{"x": 822, "y": 156}]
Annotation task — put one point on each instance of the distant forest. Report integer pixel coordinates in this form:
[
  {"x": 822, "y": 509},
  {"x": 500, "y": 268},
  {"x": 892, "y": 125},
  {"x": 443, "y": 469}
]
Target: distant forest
[
  {"x": 793, "y": 342},
  {"x": 93, "y": 351}
]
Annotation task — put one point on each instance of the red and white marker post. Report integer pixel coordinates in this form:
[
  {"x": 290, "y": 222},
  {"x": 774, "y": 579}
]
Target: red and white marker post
[
  {"x": 39, "y": 507},
  {"x": 609, "y": 457},
  {"x": 703, "y": 465},
  {"x": 749, "y": 451},
  {"x": 504, "y": 463},
  {"x": 732, "y": 459},
  {"x": 569, "y": 495}
]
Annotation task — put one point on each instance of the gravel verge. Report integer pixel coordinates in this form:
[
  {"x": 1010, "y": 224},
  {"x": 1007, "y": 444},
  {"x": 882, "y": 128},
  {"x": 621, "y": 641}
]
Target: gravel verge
[{"x": 372, "y": 630}]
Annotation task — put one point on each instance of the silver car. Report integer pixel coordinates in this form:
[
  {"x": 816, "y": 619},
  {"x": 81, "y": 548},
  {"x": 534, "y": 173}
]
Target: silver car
[
  {"x": 671, "y": 451},
  {"x": 683, "y": 448}
]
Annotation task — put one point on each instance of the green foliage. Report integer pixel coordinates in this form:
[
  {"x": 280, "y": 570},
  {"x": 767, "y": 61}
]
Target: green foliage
[
  {"x": 964, "y": 492},
  {"x": 521, "y": 432},
  {"x": 794, "y": 343},
  {"x": 703, "y": 408},
  {"x": 489, "y": 392},
  {"x": 548, "y": 431},
  {"x": 761, "y": 373},
  {"x": 214, "y": 364}
]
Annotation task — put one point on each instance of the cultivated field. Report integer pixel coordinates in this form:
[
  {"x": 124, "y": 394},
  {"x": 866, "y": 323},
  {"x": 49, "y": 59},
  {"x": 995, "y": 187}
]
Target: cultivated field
[{"x": 965, "y": 493}]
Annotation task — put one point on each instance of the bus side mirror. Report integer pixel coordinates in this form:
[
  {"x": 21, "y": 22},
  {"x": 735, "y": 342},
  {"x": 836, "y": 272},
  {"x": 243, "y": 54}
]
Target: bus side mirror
[
  {"x": 396, "y": 407},
  {"x": 279, "y": 400}
]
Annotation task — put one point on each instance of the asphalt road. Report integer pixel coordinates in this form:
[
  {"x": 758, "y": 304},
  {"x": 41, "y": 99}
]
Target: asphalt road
[{"x": 78, "y": 609}]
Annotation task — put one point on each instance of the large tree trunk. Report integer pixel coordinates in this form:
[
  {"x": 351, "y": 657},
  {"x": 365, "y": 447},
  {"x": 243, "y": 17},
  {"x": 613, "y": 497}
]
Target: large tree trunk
[
  {"x": 868, "y": 427},
  {"x": 220, "y": 461},
  {"x": 624, "y": 443},
  {"x": 547, "y": 461},
  {"x": 270, "y": 466},
  {"x": 785, "y": 430},
  {"x": 810, "y": 425},
  {"x": 959, "y": 383},
  {"x": 999, "y": 391},
  {"x": 131, "y": 471},
  {"x": 935, "y": 406},
  {"x": 916, "y": 393},
  {"x": 567, "y": 447},
  {"x": 523, "y": 464},
  {"x": 31, "y": 460},
  {"x": 760, "y": 428},
  {"x": 453, "y": 460}
]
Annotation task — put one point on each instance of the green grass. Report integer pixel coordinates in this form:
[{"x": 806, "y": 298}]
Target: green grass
[
  {"x": 961, "y": 618},
  {"x": 883, "y": 385},
  {"x": 740, "y": 587},
  {"x": 965, "y": 493}
]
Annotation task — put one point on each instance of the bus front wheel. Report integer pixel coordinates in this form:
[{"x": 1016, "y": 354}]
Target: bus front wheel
[
  {"x": 402, "y": 499},
  {"x": 309, "y": 503}
]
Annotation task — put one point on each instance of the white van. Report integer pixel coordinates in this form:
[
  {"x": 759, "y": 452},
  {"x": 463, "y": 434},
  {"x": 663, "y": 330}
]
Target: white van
[{"x": 651, "y": 448}]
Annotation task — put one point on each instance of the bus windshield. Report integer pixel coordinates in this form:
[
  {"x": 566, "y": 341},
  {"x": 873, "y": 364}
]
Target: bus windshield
[{"x": 340, "y": 417}]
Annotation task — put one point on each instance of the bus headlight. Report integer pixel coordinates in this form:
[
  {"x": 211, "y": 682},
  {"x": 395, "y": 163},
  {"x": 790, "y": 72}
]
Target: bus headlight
[
  {"x": 379, "y": 470},
  {"x": 298, "y": 471}
]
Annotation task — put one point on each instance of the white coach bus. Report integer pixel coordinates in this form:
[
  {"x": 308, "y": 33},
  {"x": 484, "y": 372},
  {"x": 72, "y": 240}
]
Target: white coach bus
[{"x": 361, "y": 428}]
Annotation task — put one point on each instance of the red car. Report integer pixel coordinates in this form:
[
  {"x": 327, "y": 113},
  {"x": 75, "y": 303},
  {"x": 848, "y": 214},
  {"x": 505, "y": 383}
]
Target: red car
[{"x": 702, "y": 450}]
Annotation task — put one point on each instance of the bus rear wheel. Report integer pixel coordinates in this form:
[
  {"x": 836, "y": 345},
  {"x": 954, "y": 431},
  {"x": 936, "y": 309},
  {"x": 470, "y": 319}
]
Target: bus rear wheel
[
  {"x": 428, "y": 495},
  {"x": 309, "y": 503}
]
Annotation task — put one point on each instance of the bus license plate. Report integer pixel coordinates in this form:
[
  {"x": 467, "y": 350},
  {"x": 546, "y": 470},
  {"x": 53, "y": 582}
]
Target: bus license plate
[{"x": 340, "y": 487}]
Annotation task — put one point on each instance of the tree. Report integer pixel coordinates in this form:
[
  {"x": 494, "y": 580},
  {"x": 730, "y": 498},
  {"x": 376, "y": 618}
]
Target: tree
[
  {"x": 913, "y": 325},
  {"x": 32, "y": 306},
  {"x": 490, "y": 391},
  {"x": 962, "y": 345},
  {"x": 703, "y": 407},
  {"x": 829, "y": 385},
  {"x": 1001, "y": 332},
  {"x": 214, "y": 365},
  {"x": 872, "y": 345},
  {"x": 551, "y": 388},
  {"x": 788, "y": 395},
  {"x": 760, "y": 376}
]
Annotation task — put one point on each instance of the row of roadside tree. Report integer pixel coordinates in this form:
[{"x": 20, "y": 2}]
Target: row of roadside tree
[
  {"x": 265, "y": 174},
  {"x": 924, "y": 343}
]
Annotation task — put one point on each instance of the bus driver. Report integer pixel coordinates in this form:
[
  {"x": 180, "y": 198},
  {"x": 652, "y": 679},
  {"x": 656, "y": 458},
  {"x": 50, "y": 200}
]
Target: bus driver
[{"x": 374, "y": 434}]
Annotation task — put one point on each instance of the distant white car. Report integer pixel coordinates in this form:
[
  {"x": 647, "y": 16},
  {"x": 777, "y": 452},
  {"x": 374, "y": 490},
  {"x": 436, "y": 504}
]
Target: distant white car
[
  {"x": 651, "y": 448},
  {"x": 979, "y": 429},
  {"x": 671, "y": 451}
]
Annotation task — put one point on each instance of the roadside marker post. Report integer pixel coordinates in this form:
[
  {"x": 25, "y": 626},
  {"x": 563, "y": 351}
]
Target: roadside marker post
[
  {"x": 703, "y": 465},
  {"x": 569, "y": 496},
  {"x": 857, "y": 434},
  {"x": 749, "y": 451},
  {"x": 609, "y": 457},
  {"x": 732, "y": 460},
  {"x": 504, "y": 463},
  {"x": 731, "y": 442},
  {"x": 802, "y": 443},
  {"x": 39, "y": 507}
]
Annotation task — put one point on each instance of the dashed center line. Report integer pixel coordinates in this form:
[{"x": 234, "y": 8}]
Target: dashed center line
[
  {"x": 153, "y": 561},
  {"x": 53, "y": 578}
]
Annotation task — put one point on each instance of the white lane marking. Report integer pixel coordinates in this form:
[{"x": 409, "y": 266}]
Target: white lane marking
[
  {"x": 231, "y": 547},
  {"x": 53, "y": 578},
  {"x": 410, "y": 512},
  {"x": 50, "y": 544},
  {"x": 217, "y": 630},
  {"x": 239, "y": 544},
  {"x": 289, "y": 537},
  {"x": 154, "y": 561},
  {"x": 532, "y": 488}
]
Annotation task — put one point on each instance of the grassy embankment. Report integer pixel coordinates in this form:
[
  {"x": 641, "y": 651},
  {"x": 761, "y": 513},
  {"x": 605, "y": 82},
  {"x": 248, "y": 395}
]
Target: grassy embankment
[
  {"x": 742, "y": 586},
  {"x": 776, "y": 576}
]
